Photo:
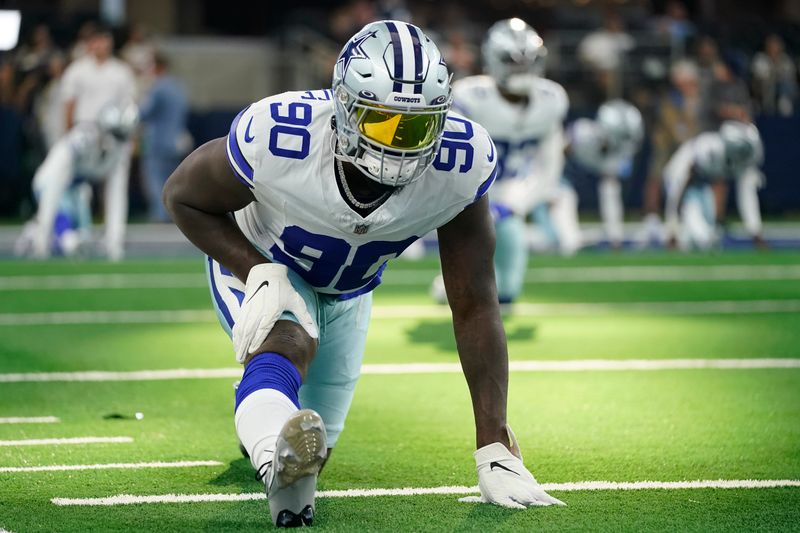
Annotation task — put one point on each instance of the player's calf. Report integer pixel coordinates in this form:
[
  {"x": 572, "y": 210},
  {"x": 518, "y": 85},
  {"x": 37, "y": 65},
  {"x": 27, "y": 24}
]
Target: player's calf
[{"x": 266, "y": 401}]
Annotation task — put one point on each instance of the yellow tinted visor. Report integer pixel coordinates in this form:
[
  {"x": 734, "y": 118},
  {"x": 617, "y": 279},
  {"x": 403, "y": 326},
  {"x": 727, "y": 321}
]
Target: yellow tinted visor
[{"x": 398, "y": 130}]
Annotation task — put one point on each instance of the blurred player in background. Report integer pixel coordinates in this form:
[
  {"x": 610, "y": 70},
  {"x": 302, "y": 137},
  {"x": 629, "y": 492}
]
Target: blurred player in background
[
  {"x": 326, "y": 187},
  {"x": 524, "y": 113},
  {"x": 731, "y": 154},
  {"x": 90, "y": 153},
  {"x": 605, "y": 146},
  {"x": 92, "y": 82}
]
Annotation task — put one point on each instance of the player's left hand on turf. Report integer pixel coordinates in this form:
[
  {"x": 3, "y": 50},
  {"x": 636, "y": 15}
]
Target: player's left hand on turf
[
  {"x": 268, "y": 293},
  {"x": 503, "y": 480}
]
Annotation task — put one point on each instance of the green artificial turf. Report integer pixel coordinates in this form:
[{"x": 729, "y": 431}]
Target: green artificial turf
[{"x": 416, "y": 430}]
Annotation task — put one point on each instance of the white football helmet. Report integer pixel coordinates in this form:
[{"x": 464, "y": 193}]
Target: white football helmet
[
  {"x": 743, "y": 147},
  {"x": 514, "y": 55},
  {"x": 391, "y": 93},
  {"x": 622, "y": 124},
  {"x": 119, "y": 119}
]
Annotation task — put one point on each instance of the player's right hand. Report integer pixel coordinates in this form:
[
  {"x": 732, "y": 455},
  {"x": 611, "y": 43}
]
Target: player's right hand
[{"x": 268, "y": 294}]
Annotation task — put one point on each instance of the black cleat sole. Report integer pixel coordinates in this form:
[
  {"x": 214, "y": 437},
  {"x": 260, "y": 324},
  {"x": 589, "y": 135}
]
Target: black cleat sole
[
  {"x": 287, "y": 518},
  {"x": 244, "y": 451}
]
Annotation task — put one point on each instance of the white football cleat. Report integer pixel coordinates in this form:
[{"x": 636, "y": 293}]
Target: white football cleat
[{"x": 291, "y": 479}]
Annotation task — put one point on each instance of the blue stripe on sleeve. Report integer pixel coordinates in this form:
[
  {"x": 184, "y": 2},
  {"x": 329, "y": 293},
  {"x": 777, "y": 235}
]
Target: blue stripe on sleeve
[
  {"x": 217, "y": 297},
  {"x": 235, "y": 152},
  {"x": 486, "y": 184}
]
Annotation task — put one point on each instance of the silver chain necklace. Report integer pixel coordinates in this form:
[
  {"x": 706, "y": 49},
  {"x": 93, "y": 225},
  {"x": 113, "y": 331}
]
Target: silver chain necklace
[{"x": 349, "y": 194}]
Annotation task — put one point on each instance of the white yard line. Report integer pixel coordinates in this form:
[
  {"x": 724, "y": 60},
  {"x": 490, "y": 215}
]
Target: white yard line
[
  {"x": 71, "y": 440},
  {"x": 713, "y": 307},
  {"x": 617, "y": 274},
  {"x": 134, "y": 375},
  {"x": 126, "y": 499},
  {"x": 109, "y": 466},
  {"x": 29, "y": 420},
  {"x": 102, "y": 281},
  {"x": 574, "y": 365},
  {"x": 401, "y": 276},
  {"x": 107, "y": 317}
]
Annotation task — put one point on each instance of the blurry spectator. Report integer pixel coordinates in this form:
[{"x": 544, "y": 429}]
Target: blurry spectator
[
  {"x": 90, "y": 84},
  {"x": 8, "y": 87},
  {"x": 774, "y": 78},
  {"x": 49, "y": 105},
  {"x": 138, "y": 52},
  {"x": 604, "y": 52},
  {"x": 95, "y": 80},
  {"x": 729, "y": 98},
  {"x": 81, "y": 46},
  {"x": 11, "y": 140},
  {"x": 347, "y": 20},
  {"x": 675, "y": 23},
  {"x": 707, "y": 56},
  {"x": 393, "y": 10},
  {"x": 36, "y": 54},
  {"x": 678, "y": 118},
  {"x": 164, "y": 113},
  {"x": 677, "y": 121},
  {"x": 461, "y": 54}
]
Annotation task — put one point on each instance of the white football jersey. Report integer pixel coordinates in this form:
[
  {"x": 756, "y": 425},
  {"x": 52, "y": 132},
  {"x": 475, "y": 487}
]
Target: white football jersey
[
  {"x": 280, "y": 147},
  {"x": 529, "y": 138},
  {"x": 85, "y": 152},
  {"x": 588, "y": 147},
  {"x": 700, "y": 159}
]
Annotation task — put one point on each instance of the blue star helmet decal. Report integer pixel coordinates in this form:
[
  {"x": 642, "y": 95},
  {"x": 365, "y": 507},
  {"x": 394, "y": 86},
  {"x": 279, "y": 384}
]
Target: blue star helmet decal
[{"x": 353, "y": 51}]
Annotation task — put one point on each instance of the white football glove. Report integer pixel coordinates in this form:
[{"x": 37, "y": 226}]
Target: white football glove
[
  {"x": 503, "y": 479},
  {"x": 268, "y": 293}
]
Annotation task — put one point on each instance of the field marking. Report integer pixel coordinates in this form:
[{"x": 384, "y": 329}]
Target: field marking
[
  {"x": 29, "y": 420},
  {"x": 127, "y": 499},
  {"x": 574, "y": 365},
  {"x": 400, "y": 276},
  {"x": 709, "y": 307},
  {"x": 616, "y": 274},
  {"x": 71, "y": 440},
  {"x": 107, "y": 317},
  {"x": 102, "y": 281},
  {"x": 109, "y": 466}
]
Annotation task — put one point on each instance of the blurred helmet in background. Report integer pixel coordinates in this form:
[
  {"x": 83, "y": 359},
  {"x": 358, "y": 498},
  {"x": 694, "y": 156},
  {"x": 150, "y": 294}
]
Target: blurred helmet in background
[
  {"x": 743, "y": 147},
  {"x": 514, "y": 55},
  {"x": 119, "y": 119},
  {"x": 622, "y": 123},
  {"x": 391, "y": 94}
]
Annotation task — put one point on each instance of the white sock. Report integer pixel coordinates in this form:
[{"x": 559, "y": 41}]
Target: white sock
[
  {"x": 611, "y": 210},
  {"x": 564, "y": 213},
  {"x": 747, "y": 200},
  {"x": 259, "y": 419}
]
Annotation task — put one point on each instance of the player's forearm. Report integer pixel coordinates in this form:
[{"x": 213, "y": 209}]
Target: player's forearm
[
  {"x": 481, "y": 345},
  {"x": 218, "y": 236},
  {"x": 200, "y": 195}
]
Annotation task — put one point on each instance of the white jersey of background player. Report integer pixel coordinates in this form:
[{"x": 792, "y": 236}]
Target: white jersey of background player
[
  {"x": 524, "y": 114},
  {"x": 91, "y": 152},
  {"x": 732, "y": 153},
  {"x": 605, "y": 147}
]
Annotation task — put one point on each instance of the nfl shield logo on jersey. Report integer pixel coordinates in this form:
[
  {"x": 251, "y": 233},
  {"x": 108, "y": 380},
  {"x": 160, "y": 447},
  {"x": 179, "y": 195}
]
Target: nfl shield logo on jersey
[{"x": 361, "y": 229}]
